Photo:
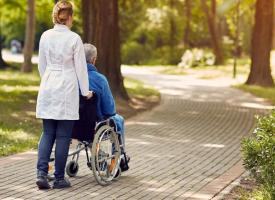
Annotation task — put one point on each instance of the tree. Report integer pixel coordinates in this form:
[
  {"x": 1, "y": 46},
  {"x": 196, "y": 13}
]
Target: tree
[
  {"x": 106, "y": 37},
  {"x": 87, "y": 20},
  {"x": 173, "y": 30},
  {"x": 273, "y": 44},
  {"x": 260, "y": 72},
  {"x": 211, "y": 17},
  {"x": 3, "y": 64},
  {"x": 3, "y": 4},
  {"x": 29, "y": 37},
  {"x": 188, "y": 16}
]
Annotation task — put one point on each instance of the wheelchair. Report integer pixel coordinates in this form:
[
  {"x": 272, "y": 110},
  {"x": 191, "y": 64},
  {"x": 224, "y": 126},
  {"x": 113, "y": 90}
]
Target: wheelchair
[{"x": 102, "y": 144}]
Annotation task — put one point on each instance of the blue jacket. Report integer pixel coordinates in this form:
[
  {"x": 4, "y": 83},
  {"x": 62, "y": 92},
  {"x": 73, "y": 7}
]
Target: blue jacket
[{"x": 105, "y": 100}]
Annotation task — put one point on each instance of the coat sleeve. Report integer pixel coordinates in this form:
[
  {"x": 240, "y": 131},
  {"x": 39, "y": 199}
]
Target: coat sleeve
[
  {"x": 42, "y": 62},
  {"x": 108, "y": 107},
  {"x": 81, "y": 67}
]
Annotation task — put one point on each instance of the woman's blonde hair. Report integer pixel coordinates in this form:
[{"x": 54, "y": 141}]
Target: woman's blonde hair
[{"x": 62, "y": 11}]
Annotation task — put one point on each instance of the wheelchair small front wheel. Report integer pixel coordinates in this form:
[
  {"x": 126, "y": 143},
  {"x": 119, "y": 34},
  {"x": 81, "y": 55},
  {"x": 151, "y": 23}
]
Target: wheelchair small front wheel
[{"x": 72, "y": 168}]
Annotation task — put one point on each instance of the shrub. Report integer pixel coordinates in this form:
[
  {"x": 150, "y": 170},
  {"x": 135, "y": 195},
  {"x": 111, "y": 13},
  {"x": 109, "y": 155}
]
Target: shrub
[
  {"x": 134, "y": 53},
  {"x": 197, "y": 57},
  {"x": 166, "y": 56},
  {"x": 259, "y": 153}
]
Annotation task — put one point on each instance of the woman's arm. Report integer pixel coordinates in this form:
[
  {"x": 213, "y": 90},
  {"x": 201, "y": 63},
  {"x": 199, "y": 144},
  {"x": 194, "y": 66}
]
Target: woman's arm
[
  {"x": 42, "y": 62},
  {"x": 81, "y": 67}
]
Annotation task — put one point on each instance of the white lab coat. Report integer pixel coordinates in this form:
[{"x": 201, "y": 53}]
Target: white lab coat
[{"x": 63, "y": 71}]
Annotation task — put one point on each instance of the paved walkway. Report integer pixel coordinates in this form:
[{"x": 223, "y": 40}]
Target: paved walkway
[{"x": 188, "y": 147}]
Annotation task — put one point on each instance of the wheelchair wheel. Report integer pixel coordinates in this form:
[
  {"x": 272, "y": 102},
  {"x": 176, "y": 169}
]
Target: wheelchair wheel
[
  {"x": 72, "y": 168},
  {"x": 105, "y": 155},
  {"x": 118, "y": 174}
]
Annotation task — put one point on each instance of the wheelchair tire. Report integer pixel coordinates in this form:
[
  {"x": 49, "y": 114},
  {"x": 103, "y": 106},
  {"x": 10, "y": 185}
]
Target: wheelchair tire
[
  {"x": 118, "y": 174},
  {"x": 72, "y": 168},
  {"x": 101, "y": 177}
]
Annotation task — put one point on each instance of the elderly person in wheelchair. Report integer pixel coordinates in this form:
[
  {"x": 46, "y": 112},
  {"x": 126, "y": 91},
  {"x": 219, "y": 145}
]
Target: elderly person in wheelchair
[
  {"x": 105, "y": 102},
  {"x": 99, "y": 85},
  {"x": 99, "y": 129}
]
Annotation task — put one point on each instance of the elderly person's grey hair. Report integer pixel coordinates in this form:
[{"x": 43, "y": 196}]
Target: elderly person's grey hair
[{"x": 90, "y": 52}]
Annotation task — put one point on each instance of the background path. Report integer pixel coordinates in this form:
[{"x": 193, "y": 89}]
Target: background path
[{"x": 188, "y": 147}]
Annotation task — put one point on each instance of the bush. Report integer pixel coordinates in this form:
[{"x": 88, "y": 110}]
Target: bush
[
  {"x": 166, "y": 56},
  {"x": 197, "y": 57},
  {"x": 259, "y": 154},
  {"x": 134, "y": 53}
]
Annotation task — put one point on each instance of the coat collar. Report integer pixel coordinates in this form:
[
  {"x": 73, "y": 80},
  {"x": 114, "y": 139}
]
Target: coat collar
[
  {"x": 91, "y": 67},
  {"x": 60, "y": 27}
]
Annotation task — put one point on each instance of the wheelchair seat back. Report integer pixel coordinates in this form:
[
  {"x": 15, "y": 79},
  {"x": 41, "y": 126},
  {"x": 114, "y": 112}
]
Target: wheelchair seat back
[{"x": 84, "y": 128}]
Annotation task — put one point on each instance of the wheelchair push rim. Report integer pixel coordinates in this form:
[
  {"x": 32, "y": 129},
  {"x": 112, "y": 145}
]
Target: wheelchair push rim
[{"x": 105, "y": 155}]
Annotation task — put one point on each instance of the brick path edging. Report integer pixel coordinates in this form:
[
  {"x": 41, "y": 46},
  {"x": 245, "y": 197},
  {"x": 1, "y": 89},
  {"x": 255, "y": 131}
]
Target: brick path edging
[{"x": 211, "y": 190}]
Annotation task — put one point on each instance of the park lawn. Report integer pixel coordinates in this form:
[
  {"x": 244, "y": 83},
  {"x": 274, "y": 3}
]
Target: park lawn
[
  {"x": 139, "y": 90},
  {"x": 247, "y": 189},
  {"x": 19, "y": 129},
  {"x": 211, "y": 72},
  {"x": 266, "y": 93}
]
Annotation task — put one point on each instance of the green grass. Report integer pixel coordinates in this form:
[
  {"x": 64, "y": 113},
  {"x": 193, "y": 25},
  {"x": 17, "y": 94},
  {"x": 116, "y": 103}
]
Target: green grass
[
  {"x": 211, "y": 72},
  {"x": 136, "y": 89},
  {"x": 266, "y": 93},
  {"x": 256, "y": 194},
  {"x": 19, "y": 129},
  {"x": 174, "y": 71}
]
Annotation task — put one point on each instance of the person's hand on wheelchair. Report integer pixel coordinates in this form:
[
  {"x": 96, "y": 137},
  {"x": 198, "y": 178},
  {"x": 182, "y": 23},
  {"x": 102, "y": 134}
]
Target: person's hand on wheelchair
[{"x": 90, "y": 95}]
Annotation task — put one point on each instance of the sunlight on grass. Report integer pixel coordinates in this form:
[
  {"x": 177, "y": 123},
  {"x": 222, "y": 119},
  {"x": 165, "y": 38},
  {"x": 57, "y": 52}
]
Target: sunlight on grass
[
  {"x": 257, "y": 194},
  {"x": 213, "y": 72},
  {"x": 19, "y": 130},
  {"x": 267, "y": 93},
  {"x": 139, "y": 90},
  {"x": 174, "y": 71}
]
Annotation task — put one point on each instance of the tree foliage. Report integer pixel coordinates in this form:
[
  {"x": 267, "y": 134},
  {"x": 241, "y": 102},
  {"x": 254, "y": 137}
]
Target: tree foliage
[
  {"x": 151, "y": 32},
  {"x": 155, "y": 26}
]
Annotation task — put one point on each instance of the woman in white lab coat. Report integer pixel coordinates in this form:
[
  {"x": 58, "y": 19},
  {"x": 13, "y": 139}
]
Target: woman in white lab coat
[{"x": 62, "y": 67}]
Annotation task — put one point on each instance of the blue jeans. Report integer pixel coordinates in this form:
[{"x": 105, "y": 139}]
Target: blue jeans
[
  {"x": 58, "y": 131},
  {"x": 119, "y": 120}
]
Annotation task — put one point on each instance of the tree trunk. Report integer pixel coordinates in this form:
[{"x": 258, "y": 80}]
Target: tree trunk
[
  {"x": 29, "y": 37},
  {"x": 260, "y": 72},
  {"x": 3, "y": 64},
  {"x": 88, "y": 13},
  {"x": 173, "y": 30},
  {"x": 107, "y": 40},
  {"x": 187, "y": 28},
  {"x": 273, "y": 46},
  {"x": 213, "y": 30}
]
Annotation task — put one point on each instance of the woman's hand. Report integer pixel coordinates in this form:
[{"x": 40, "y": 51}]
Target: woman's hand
[{"x": 90, "y": 95}]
